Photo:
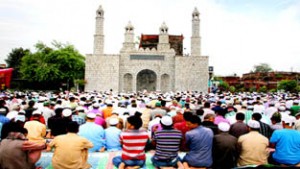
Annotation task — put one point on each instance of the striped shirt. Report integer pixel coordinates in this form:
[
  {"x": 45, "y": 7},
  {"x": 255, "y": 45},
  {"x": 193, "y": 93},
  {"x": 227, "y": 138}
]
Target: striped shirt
[
  {"x": 167, "y": 144},
  {"x": 134, "y": 142}
]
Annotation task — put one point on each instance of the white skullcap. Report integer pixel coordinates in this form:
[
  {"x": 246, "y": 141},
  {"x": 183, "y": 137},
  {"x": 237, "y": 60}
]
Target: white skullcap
[
  {"x": 253, "y": 124},
  {"x": 288, "y": 119},
  {"x": 91, "y": 115},
  {"x": 20, "y": 118},
  {"x": 79, "y": 108},
  {"x": 36, "y": 112},
  {"x": 2, "y": 110},
  {"x": 108, "y": 102},
  {"x": 166, "y": 120},
  {"x": 96, "y": 105},
  {"x": 282, "y": 108},
  {"x": 113, "y": 121},
  {"x": 223, "y": 126},
  {"x": 67, "y": 112}
]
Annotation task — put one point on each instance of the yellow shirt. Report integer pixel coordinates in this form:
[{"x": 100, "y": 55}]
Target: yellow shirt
[
  {"x": 71, "y": 151},
  {"x": 36, "y": 131},
  {"x": 146, "y": 115},
  {"x": 253, "y": 149}
]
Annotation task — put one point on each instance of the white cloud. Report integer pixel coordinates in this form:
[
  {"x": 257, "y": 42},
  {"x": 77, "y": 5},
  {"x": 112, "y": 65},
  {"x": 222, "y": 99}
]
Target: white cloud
[{"x": 234, "y": 41}]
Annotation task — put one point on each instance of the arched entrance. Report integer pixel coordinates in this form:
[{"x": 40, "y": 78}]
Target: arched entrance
[{"x": 146, "y": 80}]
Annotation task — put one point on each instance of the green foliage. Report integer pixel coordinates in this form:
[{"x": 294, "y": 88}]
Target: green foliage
[
  {"x": 298, "y": 88},
  {"x": 217, "y": 78},
  {"x": 252, "y": 89},
  {"x": 80, "y": 82},
  {"x": 263, "y": 67},
  {"x": 14, "y": 60},
  {"x": 288, "y": 85},
  {"x": 232, "y": 89},
  {"x": 63, "y": 63},
  {"x": 240, "y": 89},
  {"x": 278, "y": 76},
  {"x": 223, "y": 86},
  {"x": 263, "y": 89}
]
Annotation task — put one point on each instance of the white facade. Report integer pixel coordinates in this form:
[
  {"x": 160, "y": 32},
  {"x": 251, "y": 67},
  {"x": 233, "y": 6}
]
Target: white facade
[{"x": 151, "y": 69}]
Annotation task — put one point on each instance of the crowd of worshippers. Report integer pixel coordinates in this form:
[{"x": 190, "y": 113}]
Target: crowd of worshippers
[{"x": 213, "y": 130}]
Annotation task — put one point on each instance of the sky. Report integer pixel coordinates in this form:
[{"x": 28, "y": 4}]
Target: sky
[{"x": 235, "y": 34}]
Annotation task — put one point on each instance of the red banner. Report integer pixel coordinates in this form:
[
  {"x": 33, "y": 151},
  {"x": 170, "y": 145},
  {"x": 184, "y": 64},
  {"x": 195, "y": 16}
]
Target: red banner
[{"x": 5, "y": 78}]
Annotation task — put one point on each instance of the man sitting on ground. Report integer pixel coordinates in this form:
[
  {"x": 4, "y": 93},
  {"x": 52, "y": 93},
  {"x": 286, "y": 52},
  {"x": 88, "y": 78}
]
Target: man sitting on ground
[
  {"x": 134, "y": 141},
  {"x": 199, "y": 140},
  {"x": 71, "y": 150},
  {"x": 167, "y": 143}
]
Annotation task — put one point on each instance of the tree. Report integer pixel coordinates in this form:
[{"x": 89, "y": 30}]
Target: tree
[
  {"x": 288, "y": 85},
  {"x": 53, "y": 66},
  {"x": 263, "y": 89},
  {"x": 263, "y": 67},
  {"x": 223, "y": 86},
  {"x": 232, "y": 89},
  {"x": 14, "y": 60}
]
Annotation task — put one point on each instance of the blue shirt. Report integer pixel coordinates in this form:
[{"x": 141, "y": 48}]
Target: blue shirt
[
  {"x": 200, "y": 142},
  {"x": 112, "y": 139},
  {"x": 287, "y": 149},
  {"x": 4, "y": 119},
  {"x": 93, "y": 133},
  {"x": 80, "y": 120},
  {"x": 0, "y": 129}
]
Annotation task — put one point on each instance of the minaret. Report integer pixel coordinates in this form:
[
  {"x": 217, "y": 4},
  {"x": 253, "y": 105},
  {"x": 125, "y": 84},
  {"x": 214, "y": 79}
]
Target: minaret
[
  {"x": 163, "y": 42},
  {"x": 196, "y": 39},
  {"x": 129, "y": 38},
  {"x": 99, "y": 36}
]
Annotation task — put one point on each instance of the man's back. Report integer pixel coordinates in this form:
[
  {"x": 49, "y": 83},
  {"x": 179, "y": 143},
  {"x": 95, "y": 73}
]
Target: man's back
[
  {"x": 112, "y": 138},
  {"x": 70, "y": 151},
  {"x": 167, "y": 144},
  {"x": 253, "y": 149},
  {"x": 36, "y": 131},
  {"x": 93, "y": 133},
  {"x": 134, "y": 142},
  {"x": 200, "y": 142},
  {"x": 287, "y": 150},
  {"x": 13, "y": 148},
  {"x": 224, "y": 150},
  {"x": 107, "y": 112}
]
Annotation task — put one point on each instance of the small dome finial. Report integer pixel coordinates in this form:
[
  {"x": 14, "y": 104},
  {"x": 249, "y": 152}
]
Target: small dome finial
[
  {"x": 100, "y": 11},
  {"x": 129, "y": 27},
  {"x": 163, "y": 28},
  {"x": 196, "y": 14}
]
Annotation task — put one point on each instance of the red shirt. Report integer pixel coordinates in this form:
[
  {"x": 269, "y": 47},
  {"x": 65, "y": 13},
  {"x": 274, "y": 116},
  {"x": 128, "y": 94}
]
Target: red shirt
[
  {"x": 134, "y": 142},
  {"x": 41, "y": 119},
  {"x": 183, "y": 128},
  {"x": 178, "y": 118}
]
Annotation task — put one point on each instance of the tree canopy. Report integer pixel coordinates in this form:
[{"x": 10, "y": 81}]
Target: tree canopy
[
  {"x": 288, "y": 85},
  {"x": 14, "y": 59},
  {"x": 263, "y": 67},
  {"x": 61, "y": 63}
]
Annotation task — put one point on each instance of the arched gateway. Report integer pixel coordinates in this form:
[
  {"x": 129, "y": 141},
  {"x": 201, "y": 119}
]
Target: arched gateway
[{"x": 146, "y": 80}]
